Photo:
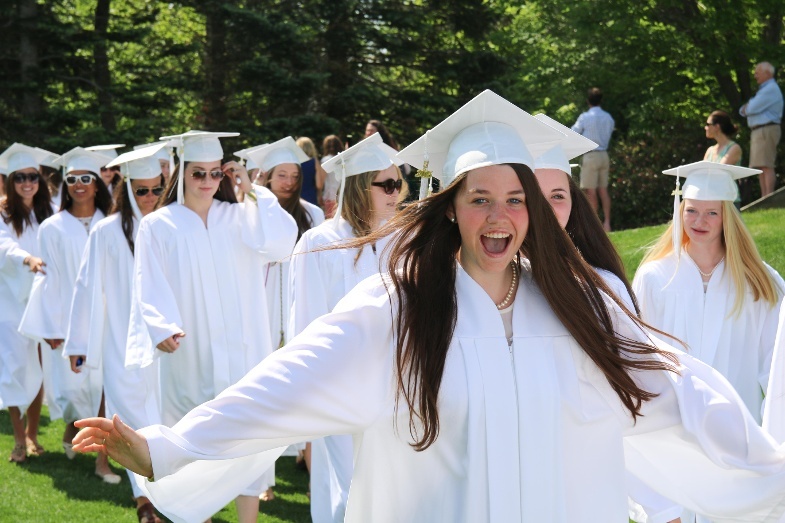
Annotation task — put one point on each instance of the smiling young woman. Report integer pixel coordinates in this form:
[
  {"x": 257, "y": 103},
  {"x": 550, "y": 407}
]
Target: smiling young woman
[
  {"x": 454, "y": 420},
  {"x": 26, "y": 206},
  {"x": 707, "y": 285}
]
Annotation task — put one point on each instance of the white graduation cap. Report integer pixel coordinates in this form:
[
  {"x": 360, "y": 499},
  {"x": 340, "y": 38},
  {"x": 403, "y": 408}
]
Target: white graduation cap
[
  {"x": 139, "y": 164},
  {"x": 705, "y": 181},
  {"x": 370, "y": 154},
  {"x": 196, "y": 146},
  {"x": 248, "y": 161},
  {"x": 163, "y": 153},
  {"x": 20, "y": 156},
  {"x": 488, "y": 130},
  {"x": 284, "y": 150},
  {"x": 80, "y": 159},
  {"x": 559, "y": 156},
  {"x": 49, "y": 158},
  {"x": 109, "y": 150}
]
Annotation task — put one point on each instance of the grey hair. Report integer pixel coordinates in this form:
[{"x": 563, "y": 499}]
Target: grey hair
[{"x": 766, "y": 66}]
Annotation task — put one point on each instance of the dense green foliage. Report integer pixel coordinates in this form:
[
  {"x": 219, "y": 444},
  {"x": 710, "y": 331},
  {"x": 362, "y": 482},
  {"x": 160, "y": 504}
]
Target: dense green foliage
[{"x": 99, "y": 71}]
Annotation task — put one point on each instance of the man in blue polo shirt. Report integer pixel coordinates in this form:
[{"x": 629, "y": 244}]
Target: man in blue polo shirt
[
  {"x": 764, "y": 114},
  {"x": 596, "y": 125}
]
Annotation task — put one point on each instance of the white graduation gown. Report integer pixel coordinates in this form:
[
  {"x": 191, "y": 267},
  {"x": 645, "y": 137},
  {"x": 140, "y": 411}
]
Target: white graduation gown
[
  {"x": 20, "y": 372},
  {"x": 319, "y": 280},
  {"x": 276, "y": 283},
  {"x": 774, "y": 407},
  {"x": 204, "y": 281},
  {"x": 671, "y": 298},
  {"x": 98, "y": 327},
  {"x": 61, "y": 242},
  {"x": 530, "y": 433}
]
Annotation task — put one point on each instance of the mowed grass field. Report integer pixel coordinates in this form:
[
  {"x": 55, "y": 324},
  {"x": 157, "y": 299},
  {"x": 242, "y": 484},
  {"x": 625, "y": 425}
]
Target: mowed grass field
[{"x": 53, "y": 489}]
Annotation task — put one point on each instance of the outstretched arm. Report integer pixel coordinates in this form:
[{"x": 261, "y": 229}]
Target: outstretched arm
[{"x": 118, "y": 440}]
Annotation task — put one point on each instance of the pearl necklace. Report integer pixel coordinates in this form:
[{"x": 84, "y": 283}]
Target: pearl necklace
[
  {"x": 501, "y": 305},
  {"x": 708, "y": 276}
]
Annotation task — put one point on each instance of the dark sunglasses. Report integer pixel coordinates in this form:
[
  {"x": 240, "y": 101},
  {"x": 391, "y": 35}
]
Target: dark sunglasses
[
  {"x": 86, "y": 179},
  {"x": 142, "y": 191},
  {"x": 201, "y": 175},
  {"x": 389, "y": 185},
  {"x": 26, "y": 177}
]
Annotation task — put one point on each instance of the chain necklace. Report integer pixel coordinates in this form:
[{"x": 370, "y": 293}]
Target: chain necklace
[{"x": 501, "y": 305}]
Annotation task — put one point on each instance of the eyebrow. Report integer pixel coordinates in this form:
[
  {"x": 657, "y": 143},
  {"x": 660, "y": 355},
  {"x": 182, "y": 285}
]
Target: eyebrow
[{"x": 485, "y": 191}]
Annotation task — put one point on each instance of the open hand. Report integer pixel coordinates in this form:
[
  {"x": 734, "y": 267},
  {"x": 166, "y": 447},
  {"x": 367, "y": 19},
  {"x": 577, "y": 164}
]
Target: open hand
[
  {"x": 35, "y": 264},
  {"x": 113, "y": 437}
]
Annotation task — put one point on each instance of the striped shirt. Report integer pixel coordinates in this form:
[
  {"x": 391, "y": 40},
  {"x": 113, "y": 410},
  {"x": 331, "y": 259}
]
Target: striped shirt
[{"x": 596, "y": 125}]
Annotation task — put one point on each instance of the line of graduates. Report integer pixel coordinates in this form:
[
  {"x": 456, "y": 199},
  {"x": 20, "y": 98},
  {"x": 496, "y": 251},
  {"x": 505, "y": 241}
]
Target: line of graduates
[{"x": 477, "y": 356}]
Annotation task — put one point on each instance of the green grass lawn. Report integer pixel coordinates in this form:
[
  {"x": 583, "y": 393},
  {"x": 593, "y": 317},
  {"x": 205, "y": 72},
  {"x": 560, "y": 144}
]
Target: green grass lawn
[
  {"x": 767, "y": 227},
  {"x": 51, "y": 488}
]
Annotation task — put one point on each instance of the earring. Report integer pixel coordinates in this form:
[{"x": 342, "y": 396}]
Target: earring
[{"x": 452, "y": 219}]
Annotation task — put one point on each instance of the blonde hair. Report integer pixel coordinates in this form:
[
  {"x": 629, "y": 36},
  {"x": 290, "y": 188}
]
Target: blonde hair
[
  {"x": 356, "y": 208},
  {"x": 745, "y": 266},
  {"x": 308, "y": 147}
]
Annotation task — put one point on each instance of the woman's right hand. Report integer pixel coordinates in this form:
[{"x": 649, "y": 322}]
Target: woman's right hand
[
  {"x": 35, "y": 264},
  {"x": 172, "y": 343},
  {"x": 113, "y": 437}
]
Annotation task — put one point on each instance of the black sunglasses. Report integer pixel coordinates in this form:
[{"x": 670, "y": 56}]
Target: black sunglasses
[
  {"x": 201, "y": 175},
  {"x": 86, "y": 179},
  {"x": 26, "y": 177},
  {"x": 389, "y": 185},
  {"x": 142, "y": 191}
]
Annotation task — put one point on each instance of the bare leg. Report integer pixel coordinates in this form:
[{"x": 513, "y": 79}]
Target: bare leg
[
  {"x": 591, "y": 195},
  {"x": 605, "y": 198},
  {"x": 18, "y": 424},
  {"x": 307, "y": 456},
  {"x": 247, "y": 508},
  {"x": 142, "y": 501},
  {"x": 767, "y": 181},
  {"x": 33, "y": 418}
]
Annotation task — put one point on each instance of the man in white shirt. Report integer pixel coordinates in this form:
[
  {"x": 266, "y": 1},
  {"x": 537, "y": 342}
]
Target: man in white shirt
[{"x": 596, "y": 125}]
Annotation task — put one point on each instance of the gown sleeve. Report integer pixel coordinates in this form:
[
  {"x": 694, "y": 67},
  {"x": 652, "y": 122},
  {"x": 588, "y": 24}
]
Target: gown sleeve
[
  {"x": 44, "y": 316},
  {"x": 307, "y": 285},
  {"x": 298, "y": 393},
  {"x": 267, "y": 227},
  {"x": 155, "y": 315},
  {"x": 697, "y": 444},
  {"x": 774, "y": 407},
  {"x": 769, "y": 333},
  {"x": 12, "y": 256},
  {"x": 87, "y": 318}
]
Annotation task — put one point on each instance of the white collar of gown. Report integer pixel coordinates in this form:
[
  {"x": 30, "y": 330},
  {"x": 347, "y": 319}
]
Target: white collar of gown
[{"x": 514, "y": 403}]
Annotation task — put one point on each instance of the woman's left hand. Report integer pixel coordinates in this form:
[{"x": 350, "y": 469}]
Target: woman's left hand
[{"x": 238, "y": 174}]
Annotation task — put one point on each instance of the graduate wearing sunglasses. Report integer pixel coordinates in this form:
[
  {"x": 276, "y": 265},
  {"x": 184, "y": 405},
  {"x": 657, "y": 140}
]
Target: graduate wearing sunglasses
[
  {"x": 61, "y": 241},
  {"x": 198, "y": 303},
  {"x": 27, "y": 204},
  {"x": 321, "y": 278},
  {"x": 98, "y": 327}
]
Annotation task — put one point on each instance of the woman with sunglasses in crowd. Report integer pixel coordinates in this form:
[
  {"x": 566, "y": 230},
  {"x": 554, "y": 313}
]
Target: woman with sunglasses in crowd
[
  {"x": 476, "y": 387},
  {"x": 61, "y": 242},
  {"x": 370, "y": 194},
  {"x": 197, "y": 292},
  {"x": 25, "y": 207},
  {"x": 283, "y": 163},
  {"x": 98, "y": 327}
]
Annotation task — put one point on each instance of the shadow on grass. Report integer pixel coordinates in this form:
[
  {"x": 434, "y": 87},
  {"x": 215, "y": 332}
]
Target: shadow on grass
[{"x": 39, "y": 477}]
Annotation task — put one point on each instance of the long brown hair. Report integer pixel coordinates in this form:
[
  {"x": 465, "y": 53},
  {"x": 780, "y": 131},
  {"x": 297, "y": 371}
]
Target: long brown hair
[
  {"x": 225, "y": 192},
  {"x": 422, "y": 266},
  {"x": 122, "y": 205},
  {"x": 14, "y": 211},
  {"x": 292, "y": 204},
  {"x": 103, "y": 199},
  {"x": 587, "y": 234}
]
